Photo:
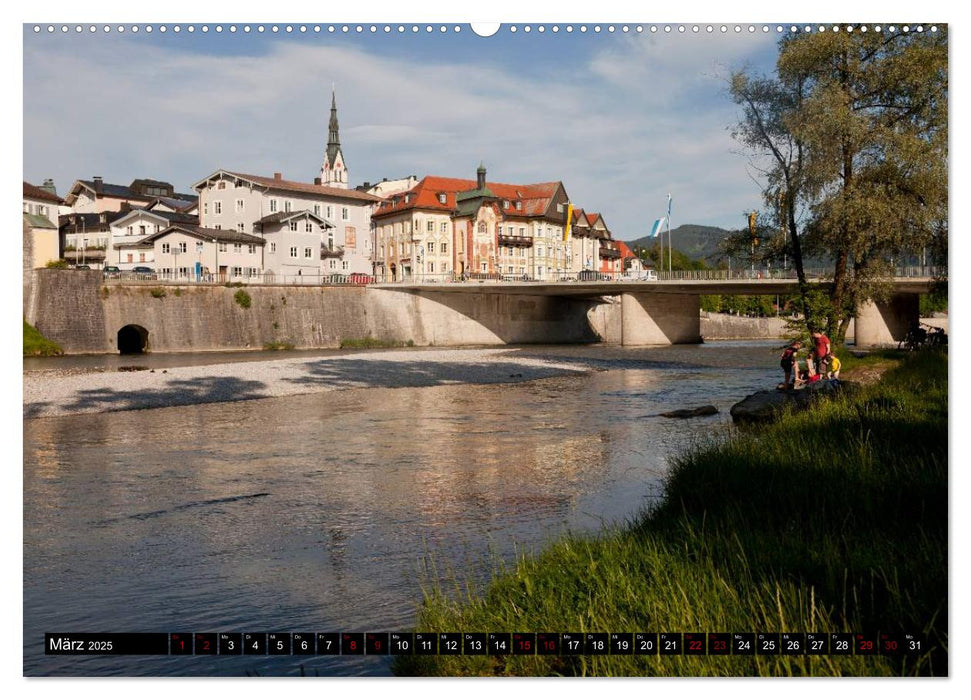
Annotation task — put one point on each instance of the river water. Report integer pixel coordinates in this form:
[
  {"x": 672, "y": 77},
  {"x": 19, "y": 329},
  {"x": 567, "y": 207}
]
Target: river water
[{"x": 327, "y": 512}]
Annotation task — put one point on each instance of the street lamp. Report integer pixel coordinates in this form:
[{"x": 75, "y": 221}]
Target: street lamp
[
  {"x": 175, "y": 252},
  {"x": 215, "y": 247}
]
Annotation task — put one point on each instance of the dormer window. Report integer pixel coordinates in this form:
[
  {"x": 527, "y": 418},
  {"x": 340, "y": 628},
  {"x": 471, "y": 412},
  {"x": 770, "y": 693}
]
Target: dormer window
[
  {"x": 519, "y": 206},
  {"x": 407, "y": 198},
  {"x": 505, "y": 204},
  {"x": 441, "y": 197}
]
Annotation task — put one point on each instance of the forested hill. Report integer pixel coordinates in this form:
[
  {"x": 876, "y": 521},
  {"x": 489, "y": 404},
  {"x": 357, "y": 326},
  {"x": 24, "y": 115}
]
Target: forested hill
[{"x": 697, "y": 242}]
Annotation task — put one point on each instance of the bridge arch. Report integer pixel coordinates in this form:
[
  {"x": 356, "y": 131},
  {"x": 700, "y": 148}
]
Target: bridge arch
[{"x": 132, "y": 339}]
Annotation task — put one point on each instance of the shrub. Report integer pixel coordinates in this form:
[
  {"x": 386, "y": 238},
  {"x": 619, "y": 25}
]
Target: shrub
[
  {"x": 157, "y": 292},
  {"x": 57, "y": 264},
  {"x": 243, "y": 299}
]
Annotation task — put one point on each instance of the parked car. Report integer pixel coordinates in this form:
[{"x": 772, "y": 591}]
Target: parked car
[
  {"x": 142, "y": 270},
  {"x": 110, "y": 271},
  {"x": 82, "y": 267},
  {"x": 643, "y": 276}
]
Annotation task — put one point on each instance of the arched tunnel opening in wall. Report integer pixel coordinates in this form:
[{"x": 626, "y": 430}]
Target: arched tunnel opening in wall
[{"x": 132, "y": 340}]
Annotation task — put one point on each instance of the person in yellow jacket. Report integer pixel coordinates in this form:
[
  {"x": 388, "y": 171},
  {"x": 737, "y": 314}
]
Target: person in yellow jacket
[{"x": 834, "y": 367}]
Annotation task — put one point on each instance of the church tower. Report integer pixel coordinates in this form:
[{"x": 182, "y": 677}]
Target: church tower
[{"x": 333, "y": 172}]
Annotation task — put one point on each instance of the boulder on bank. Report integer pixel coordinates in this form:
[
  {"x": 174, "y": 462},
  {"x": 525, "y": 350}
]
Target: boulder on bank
[
  {"x": 765, "y": 406},
  {"x": 690, "y": 412}
]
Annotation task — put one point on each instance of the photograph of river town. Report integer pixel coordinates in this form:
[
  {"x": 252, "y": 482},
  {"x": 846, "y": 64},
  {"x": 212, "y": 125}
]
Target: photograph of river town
[{"x": 520, "y": 350}]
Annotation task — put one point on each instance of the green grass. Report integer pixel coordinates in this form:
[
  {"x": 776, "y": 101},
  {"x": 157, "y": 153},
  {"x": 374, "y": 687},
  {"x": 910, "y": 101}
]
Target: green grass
[
  {"x": 36, "y": 345},
  {"x": 369, "y": 342},
  {"x": 832, "y": 519}
]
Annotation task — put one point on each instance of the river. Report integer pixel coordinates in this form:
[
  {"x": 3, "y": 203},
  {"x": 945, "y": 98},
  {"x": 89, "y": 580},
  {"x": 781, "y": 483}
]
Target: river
[{"x": 327, "y": 512}]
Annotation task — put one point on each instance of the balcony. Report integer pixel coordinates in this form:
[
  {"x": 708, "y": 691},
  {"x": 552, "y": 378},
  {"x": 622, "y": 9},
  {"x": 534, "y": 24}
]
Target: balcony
[
  {"x": 515, "y": 241},
  {"x": 327, "y": 251},
  {"x": 86, "y": 254},
  {"x": 609, "y": 253}
]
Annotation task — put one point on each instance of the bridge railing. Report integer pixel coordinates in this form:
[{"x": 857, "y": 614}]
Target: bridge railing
[{"x": 583, "y": 276}]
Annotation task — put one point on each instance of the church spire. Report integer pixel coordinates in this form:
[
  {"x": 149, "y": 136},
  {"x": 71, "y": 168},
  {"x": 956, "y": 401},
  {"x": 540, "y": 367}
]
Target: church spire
[{"x": 333, "y": 172}]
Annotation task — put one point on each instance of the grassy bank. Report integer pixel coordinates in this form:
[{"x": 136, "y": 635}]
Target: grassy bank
[
  {"x": 834, "y": 519},
  {"x": 36, "y": 344},
  {"x": 369, "y": 343}
]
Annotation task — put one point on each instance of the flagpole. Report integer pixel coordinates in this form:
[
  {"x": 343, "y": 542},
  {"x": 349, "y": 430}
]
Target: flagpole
[{"x": 670, "y": 244}]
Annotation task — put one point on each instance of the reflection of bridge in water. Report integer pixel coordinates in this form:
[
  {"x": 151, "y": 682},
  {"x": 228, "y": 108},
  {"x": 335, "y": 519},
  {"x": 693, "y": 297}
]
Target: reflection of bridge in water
[{"x": 666, "y": 310}]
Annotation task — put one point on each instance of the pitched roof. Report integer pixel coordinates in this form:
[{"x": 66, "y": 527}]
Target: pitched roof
[
  {"x": 281, "y": 216},
  {"x": 90, "y": 221},
  {"x": 300, "y": 187},
  {"x": 535, "y": 198},
  {"x": 176, "y": 203},
  {"x": 222, "y": 235},
  {"x": 38, "y": 221},
  {"x": 625, "y": 251},
  {"x": 173, "y": 217},
  {"x": 35, "y": 192}
]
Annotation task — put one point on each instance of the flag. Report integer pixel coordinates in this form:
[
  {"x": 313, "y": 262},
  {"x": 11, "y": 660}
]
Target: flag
[
  {"x": 656, "y": 229},
  {"x": 669, "y": 207},
  {"x": 569, "y": 220}
]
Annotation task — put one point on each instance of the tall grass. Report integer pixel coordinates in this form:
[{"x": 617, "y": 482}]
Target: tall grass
[
  {"x": 833, "y": 519},
  {"x": 35, "y": 344}
]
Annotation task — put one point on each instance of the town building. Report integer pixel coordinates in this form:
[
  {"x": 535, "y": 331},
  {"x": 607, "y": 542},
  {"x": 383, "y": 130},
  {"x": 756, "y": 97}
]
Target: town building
[
  {"x": 193, "y": 253},
  {"x": 126, "y": 245},
  {"x": 450, "y": 226},
  {"x": 95, "y": 195},
  {"x": 335, "y": 228},
  {"x": 40, "y": 236},
  {"x": 387, "y": 187},
  {"x": 85, "y": 238}
]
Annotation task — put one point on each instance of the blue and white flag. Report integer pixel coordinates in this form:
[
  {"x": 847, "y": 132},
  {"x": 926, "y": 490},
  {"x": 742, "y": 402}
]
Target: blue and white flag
[
  {"x": 656, "y": 229},
  {"x": 669, "y": 207}
]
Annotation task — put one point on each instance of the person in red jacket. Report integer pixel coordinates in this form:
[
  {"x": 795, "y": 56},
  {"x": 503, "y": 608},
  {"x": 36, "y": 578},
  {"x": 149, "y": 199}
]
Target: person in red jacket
[{"x": 821, "y": 351}]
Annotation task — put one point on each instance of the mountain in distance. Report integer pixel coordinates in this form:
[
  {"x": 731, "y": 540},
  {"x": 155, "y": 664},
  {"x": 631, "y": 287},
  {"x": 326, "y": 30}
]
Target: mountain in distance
[{"x": 697, "y": 242}]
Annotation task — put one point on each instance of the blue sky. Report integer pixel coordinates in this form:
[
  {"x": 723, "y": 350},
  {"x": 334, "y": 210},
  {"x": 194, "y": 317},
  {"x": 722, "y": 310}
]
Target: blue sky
[{"x": 621, "y": 119}]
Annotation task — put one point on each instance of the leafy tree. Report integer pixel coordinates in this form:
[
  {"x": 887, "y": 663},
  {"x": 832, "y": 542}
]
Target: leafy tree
[{"x": 850, "y": 138}]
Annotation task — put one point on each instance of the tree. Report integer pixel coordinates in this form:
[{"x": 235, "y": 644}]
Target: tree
[{"x": 851, "y": 140}]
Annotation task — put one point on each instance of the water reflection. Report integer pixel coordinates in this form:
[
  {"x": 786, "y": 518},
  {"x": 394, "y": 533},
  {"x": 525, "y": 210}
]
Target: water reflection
[{"x": 314, "y": 512}]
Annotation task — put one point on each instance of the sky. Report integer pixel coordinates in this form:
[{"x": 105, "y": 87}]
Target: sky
[{"x": 622, "y": 119}]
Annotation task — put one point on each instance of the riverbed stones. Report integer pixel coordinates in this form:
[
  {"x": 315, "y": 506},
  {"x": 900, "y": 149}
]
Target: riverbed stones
[{"x": 766, "y": 406}]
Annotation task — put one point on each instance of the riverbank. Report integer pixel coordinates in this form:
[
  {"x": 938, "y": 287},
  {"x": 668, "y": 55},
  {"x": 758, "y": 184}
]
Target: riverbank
[
  {"x": 65, "y": 392},
  {"x": 831, "y": 520}
]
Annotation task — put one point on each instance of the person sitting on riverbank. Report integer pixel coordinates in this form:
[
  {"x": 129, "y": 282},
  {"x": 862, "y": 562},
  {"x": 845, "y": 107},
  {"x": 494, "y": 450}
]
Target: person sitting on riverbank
[
  {"x": 788, "y": 363},
  {"x": 808, "y": 375}
]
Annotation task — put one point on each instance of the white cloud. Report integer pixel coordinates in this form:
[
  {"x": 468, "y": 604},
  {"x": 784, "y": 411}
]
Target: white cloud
[{"x": 643, "y": 117}]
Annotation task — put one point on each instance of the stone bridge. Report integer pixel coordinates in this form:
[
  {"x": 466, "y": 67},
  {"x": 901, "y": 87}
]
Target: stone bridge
[{"x": 85, "y": 313}]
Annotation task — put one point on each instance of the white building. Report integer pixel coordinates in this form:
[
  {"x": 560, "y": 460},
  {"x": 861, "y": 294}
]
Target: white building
[
  {"x": 340, "y": 219},
  {"x": 127, "y": 247},
  {"x": 194, "y": 253}
]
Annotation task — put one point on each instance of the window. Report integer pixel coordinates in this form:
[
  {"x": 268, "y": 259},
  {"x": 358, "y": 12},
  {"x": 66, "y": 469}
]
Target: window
[
  {"x": 166, "y": 248},
  {"x": 130, "y": 258},
  {"x": 183, "y": 247},
  {"x": 293, "y": 251},
  {"x": 241, "y": 227},
  {"x": 344, "y": 265},
  {"x": 221, "y": 185},
  {"x": 317, "y": 210},
  {"x": 217, "y": 207},
  {"x": 485, "y": 267},
  {"x": 157, "y": 228},
  {"x": 240, "y": 204},
  {"x": 559, "y": 207},
  {"x": 444, "y": 267},
  {"x": 431, "y": 246},
  {"x": 333, "y": 264},
  {"x": 237, "y": 247},
  {"x": 309, "y": 226},
  {"x": 430, "y": 227},
  {"x": 199, "y": 246},
  {"x": 345, "y": 213},
  {"x": 431, "y": 267},
  {"x": 293, "y": 225},
  {"x": 272, "y": 247},
  {"x": 522, "y": 231},
  {"x": 442, "y": 197},
  {"x": 444, "y": 248},
  {"x": 519, "y": 206},
  {"x": 330, "y": 212},
  {"x": 131, "y": 230},
  {"x": 237, "y": 272},
  {"x": 308, "y": 253},
  {"x": 539, "y": 251},
  {"x": 505, "y": 204},
  {"x": 222, "y": 247},
  {"x": 287, "y": 205},
  {"x": 141, "y": 257},
  {"x": 251, "y": 249},
  {"x": 272, "y": 205},
  {"x": 444, "y": 227},
  {"x": 205, "y": 208}
]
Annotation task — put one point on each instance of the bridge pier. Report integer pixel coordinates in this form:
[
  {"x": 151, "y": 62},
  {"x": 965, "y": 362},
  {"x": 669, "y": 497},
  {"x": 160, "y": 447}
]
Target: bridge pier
[
  {"x": 660, "y": 319},
  {"x": 886, "y": 323}
]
